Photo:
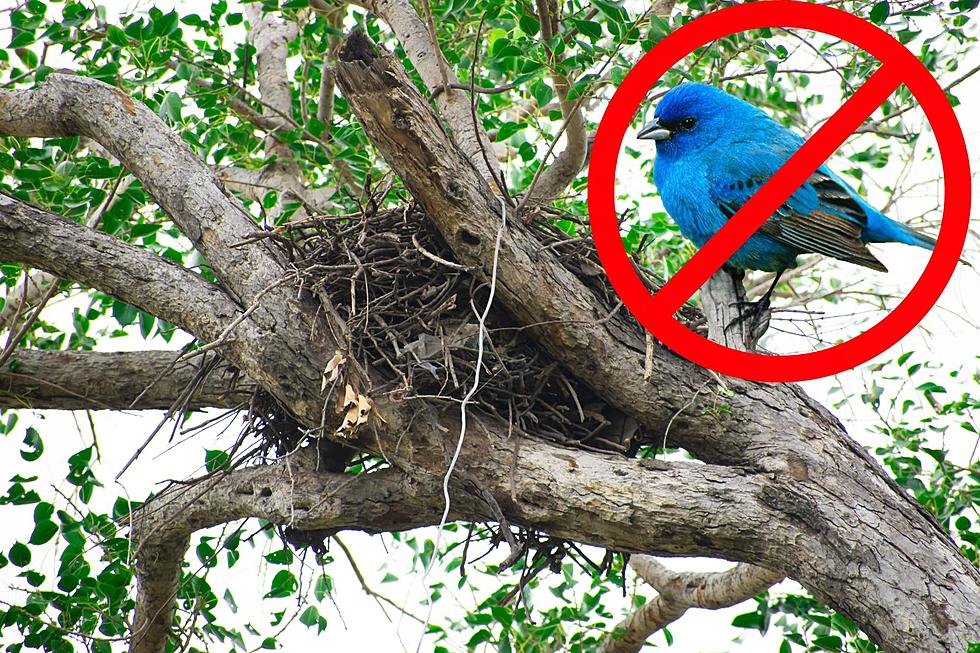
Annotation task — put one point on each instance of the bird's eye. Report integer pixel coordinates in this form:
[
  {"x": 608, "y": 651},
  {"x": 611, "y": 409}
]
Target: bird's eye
[{"x": 688, "y": 123}]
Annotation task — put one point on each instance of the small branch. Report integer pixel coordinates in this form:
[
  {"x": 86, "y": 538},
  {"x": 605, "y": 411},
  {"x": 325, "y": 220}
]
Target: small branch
[
  {"x": 677, "y": 593},
  {"x": 568, "y": 164}
]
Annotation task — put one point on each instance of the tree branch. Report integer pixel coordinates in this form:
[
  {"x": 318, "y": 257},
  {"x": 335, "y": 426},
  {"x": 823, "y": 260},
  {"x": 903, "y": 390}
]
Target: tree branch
[
  {"x": 677, "y": 593},
  {"x": 81, "y": 380},
  {"x": 453, "y": 104},
  {"x": 215, "y": 221},
  {"x": 668, "y": 507},
  {"x": 553, "y": 181},
  {"x": 271, "y": 38},
  {"x": 43, "y": 240}
]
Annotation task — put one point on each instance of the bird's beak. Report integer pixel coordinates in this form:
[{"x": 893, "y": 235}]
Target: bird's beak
[{"x": 653, "y": 131}]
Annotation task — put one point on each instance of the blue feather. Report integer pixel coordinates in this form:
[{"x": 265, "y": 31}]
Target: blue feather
[{"x": 714, "y": 151}]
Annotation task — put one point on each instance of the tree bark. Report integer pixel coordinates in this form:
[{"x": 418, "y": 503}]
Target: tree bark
[{"x": 131, "y": 380}]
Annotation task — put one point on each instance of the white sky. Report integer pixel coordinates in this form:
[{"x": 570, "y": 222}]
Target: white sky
[{"x": 356, "y": 621}]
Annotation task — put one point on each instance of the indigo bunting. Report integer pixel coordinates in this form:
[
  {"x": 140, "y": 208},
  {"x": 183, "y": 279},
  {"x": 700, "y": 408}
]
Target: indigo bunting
[{"x": 715, "y": 150}]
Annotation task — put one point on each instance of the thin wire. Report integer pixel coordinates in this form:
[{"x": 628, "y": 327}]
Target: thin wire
[{"x": 462, "y": 415}]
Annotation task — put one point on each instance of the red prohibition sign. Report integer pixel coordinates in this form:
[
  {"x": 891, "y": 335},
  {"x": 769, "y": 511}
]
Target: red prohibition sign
[{"x": 655, "y": 312}]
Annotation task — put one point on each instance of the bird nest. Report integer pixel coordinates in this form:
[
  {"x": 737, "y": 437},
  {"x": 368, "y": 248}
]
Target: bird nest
[{"x": 411, "y": 311}]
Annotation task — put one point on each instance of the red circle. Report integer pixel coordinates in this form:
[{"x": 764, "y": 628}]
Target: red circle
[{"x": 793, "y": 367}]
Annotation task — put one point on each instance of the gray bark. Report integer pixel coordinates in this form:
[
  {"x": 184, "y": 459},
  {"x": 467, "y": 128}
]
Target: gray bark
[{"x": 90, "y": 380}]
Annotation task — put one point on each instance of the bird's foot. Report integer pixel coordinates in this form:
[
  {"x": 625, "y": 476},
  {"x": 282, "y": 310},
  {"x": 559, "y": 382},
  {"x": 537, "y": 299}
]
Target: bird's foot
[{"x": 753, "y": 320}]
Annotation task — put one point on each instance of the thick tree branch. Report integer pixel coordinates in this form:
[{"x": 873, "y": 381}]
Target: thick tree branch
[
  {"x": 43, "y": 240},
  {"x": 678, "y": 591},
  {"x": 853, "y": 544},
  {"x": 642, "y": 506},
  {"x": 286, "y": 340},
  {"x": 427, "y": 57},
  {"x": 83, "y": 380},
  {"x": 215, "y": 221}
]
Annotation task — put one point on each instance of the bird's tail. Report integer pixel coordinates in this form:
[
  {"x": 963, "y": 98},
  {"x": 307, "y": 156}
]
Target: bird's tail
[{"x": 912, "y": 237}]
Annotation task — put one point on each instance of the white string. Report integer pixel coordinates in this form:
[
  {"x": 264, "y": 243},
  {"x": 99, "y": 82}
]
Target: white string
[{"x": 482, "y": 318}]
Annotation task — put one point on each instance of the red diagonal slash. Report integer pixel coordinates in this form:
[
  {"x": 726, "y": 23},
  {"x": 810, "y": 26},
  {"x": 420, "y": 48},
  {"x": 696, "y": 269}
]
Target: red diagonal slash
[{"x": 777, "y": 190}]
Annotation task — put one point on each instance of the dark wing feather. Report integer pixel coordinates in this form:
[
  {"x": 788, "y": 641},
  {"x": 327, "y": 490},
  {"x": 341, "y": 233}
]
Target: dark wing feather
[
  {"x": 836, "y": 234},
  {"x": 835, "y": 197},
  {"x": 822, "y": 233}
]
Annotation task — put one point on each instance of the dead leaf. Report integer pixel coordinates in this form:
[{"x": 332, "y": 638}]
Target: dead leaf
[{"x": 332, "y": 371}]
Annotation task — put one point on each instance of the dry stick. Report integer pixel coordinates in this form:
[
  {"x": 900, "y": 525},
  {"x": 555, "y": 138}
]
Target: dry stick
[
  {"x": 377, "y": 596},
  {"x": 219, "y": 341}
]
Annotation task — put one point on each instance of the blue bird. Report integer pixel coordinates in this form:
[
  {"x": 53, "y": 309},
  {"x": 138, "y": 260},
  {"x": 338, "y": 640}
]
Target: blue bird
[{"x": 715, "y": 150}]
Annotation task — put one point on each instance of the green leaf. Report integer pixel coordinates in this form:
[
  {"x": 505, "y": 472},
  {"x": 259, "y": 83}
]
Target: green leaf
[
  {"x": 146, "y": 324},
  {"x": 529, "y": 25},
  {"x": 311, "y": 617},
  {"x": 323, "y": 586},
  {"x": 22, "y": 39},
  {"x": 828, "y": 643},
  {"x": 44, "y": 530},
  {"x": 482, "y": 635},
  {"x": 116, "y": 36},
  {"x": 124, "y": 313},
  {"x": 280, "y": 557},
  {"x": 20, "y": 555},
  {"x": 589, "y": 28},
  {"x": 171, "y": 106},
  {"x": 507, "y": 130},
  {"x": 503, "y": 615},
  {"x": 215, "y": 459},
  {"x": 748, "y": 620},
  {"x": 230, "y": 600},
  {"x": 283, "y": 584},
  {"x": 35, "y": 447},
  {"x": 879, "y": 13}
]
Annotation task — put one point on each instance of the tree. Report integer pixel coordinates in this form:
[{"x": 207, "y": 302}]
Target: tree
[{"x": 327, "y": 216}]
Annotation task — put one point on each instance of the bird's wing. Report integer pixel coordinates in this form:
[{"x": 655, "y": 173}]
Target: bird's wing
[{"x": 822, "y": 216}]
